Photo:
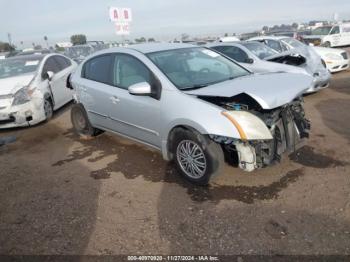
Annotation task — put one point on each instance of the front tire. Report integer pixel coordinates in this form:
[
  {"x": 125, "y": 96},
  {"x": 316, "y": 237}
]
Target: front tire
[
  {"x": 48, "y": 109},
  {"x": 81, "y": 123},
  {"x": 197, "y": 157}
]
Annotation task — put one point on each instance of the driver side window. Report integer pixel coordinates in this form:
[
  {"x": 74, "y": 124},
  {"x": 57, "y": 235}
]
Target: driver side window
[
  {"x": 335, "y": 30},
  {"x": 233, "y": 52},
  {"x": 128, "y": 71}
]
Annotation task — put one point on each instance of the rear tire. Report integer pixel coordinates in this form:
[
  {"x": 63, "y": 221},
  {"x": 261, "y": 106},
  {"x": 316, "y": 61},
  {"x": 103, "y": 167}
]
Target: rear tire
[
  {"x": 81, "y": 123},
  {"x": 196, "y": 157},
  {"x": 327, "y": 44}
]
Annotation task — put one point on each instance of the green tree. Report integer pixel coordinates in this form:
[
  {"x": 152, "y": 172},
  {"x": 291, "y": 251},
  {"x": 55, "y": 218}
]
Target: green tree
[
  {"x": 59, "y": 48},
  {"x": 226, "y": 35},
  {"x": 140, "y": 40},
  {"x": 47, "y": 43},
  {"x": 295, "y": 25},
  {"x": 6, "y": 47},
  {"x": 184, "y": 36},
  {"x": 151, "y": 39},
  {"x": 78, "y": 39}
]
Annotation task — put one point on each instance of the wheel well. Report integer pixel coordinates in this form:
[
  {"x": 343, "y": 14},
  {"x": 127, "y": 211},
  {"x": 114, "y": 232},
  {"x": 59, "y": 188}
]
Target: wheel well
[
  {"x": 47, "y": 96},
  {"x": 172, "y": 135}
]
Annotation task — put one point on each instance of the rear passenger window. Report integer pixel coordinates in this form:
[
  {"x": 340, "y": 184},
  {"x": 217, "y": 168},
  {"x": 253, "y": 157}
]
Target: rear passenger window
[
  {"x": 128, "y": 70},
  {"x": 63, "y": 62},
  {"x": 98, "y": 69},
  {"x": 51, "y": 65}
]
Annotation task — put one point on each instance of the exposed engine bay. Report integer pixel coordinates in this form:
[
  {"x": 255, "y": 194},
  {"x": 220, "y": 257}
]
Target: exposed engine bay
[
  {"x": 289, "y": 59},
  {"x": 287, "y": 124}
]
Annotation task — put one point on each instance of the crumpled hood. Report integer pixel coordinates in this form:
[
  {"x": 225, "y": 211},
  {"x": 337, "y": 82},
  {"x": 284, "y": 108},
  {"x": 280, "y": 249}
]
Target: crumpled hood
[
  {"x": 278, "y": 67},
  {"x": 313, "y": 60},
  {"x": 270, "y": 90},
  {"x": 11, "y": 85}
]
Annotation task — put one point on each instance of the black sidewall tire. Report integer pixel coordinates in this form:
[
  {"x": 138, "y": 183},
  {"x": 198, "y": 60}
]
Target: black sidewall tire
[
  {"x": 88, "y": 130},
  {"x": 49, "y": 103},
  {"x": 327, "y": 44},
  {"x": 212, "y": 151}
]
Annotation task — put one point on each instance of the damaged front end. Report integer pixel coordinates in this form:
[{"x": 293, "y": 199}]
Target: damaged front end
[{"x": 288, "y": 126}]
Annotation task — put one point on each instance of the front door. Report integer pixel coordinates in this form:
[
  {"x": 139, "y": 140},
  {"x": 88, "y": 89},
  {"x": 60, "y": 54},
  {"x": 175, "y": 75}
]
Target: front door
[{"x": 135, "y": 116}]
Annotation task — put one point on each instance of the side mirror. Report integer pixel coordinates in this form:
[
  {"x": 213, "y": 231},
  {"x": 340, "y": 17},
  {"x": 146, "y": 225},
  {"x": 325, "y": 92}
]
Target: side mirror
[
  {"x": 48, "y": 75},
  {"x": 249, "y": 61},
  {"x": 140, "y": 89}
]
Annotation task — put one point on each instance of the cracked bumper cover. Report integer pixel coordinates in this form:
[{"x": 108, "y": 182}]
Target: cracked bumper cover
[
  {"x": 26, "y": 114},
  {"x": 289, "y": 133}
]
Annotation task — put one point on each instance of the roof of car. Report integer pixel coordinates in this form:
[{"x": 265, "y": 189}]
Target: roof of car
[
  {"x": 272, "y": 37},
  {"x": 156, "y": 47},
  {"x": 224, "y": 43},
  {"x": 28, "y": 57}
]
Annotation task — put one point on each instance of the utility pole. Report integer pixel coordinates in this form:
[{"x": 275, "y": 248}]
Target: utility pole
[{"x": 9, "y": 38}]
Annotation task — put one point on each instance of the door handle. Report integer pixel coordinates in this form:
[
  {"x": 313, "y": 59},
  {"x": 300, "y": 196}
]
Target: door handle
[{"x": 114, "y": 99}]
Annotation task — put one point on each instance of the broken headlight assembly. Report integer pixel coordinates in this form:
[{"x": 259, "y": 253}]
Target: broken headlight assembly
[{"x": 22, "y": 96}]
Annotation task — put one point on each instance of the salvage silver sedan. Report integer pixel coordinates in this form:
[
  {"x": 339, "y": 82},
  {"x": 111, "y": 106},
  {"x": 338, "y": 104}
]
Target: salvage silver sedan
[{"x": 196, "y": 106}]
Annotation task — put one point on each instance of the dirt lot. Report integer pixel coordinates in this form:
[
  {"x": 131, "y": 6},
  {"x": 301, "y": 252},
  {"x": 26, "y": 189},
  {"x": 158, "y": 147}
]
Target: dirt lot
[{"x": 63, "y": 195}]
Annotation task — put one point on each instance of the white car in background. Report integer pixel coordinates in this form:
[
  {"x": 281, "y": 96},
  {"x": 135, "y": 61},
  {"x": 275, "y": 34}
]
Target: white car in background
[
  {"x": 330, "y": 35},
  {"x": 254, "y": 56},
  {"x": 336, "y": 59},
  {"x": 291, "y": 47},
  {"x": 229, "y": 39},
  {"x": 32, "y": 87}
]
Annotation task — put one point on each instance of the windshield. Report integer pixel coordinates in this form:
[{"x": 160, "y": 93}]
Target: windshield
[
  {"x": 196, "y": 67},
  {"x": 18, "y": 66},
  {"x": 259, "y": 49},
  {"x": 321, "y": 30},
  {"x": 293, "y": 42}
]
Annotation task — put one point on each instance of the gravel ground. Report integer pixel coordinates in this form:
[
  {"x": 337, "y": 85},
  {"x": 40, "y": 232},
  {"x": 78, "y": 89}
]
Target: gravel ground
[{"x": 60, "y": 194}]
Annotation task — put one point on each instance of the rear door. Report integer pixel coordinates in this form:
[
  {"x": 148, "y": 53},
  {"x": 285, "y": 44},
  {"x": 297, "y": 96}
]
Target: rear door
[{"x": 94, "y": 89}]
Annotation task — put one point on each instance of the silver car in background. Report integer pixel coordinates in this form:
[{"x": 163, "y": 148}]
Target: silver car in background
[
  {"x": 253, "y": 55},
  {"x": 290, "y": 47},
  {"x": 198, "y": 107}
]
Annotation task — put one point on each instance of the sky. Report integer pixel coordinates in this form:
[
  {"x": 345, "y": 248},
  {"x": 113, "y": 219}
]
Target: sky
[{"x": 30, "y": 20}]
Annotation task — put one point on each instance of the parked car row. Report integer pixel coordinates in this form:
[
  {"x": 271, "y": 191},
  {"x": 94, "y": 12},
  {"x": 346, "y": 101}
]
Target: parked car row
[{"x": 330, "y": 36}]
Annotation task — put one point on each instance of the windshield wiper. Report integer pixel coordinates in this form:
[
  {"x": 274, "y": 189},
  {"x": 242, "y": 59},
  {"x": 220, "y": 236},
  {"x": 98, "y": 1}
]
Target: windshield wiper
[{"x": 195, "y": 87}]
